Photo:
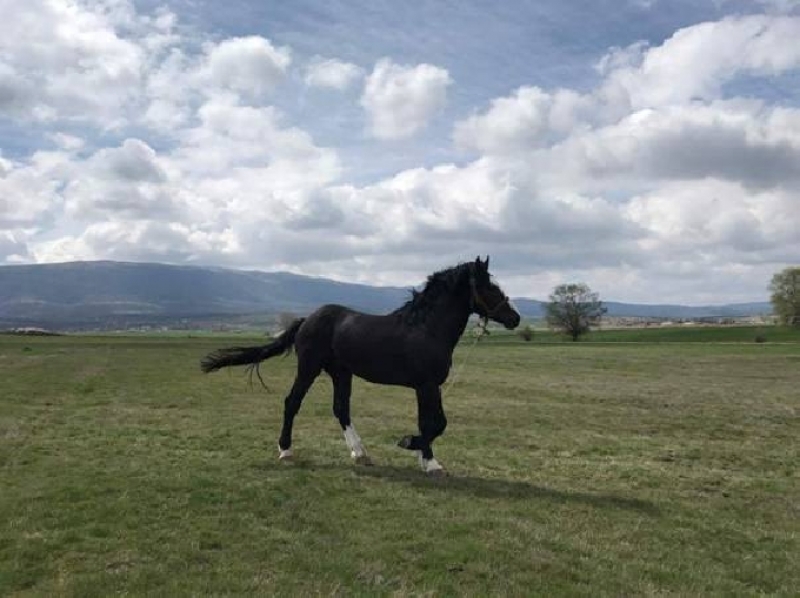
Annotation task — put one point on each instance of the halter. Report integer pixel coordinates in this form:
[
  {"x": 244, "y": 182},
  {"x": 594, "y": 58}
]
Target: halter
[{"x": 476, "y": 299}]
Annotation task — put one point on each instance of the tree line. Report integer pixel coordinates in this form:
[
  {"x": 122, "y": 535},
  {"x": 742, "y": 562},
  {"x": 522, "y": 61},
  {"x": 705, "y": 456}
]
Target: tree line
[{"x": 575, "y": 309}]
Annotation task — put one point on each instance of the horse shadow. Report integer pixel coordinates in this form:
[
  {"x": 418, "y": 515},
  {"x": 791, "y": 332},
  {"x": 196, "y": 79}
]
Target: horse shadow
[{"x": 499, "y": 488}]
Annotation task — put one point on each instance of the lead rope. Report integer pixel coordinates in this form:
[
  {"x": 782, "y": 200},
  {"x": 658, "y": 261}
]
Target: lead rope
[{"x": 481, "y": 332}]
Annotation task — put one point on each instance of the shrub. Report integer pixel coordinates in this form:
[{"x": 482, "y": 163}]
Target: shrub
[{"x": 526, "y": 333}]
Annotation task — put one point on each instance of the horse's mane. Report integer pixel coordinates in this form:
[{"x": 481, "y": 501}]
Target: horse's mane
[{"x": 441, "y": 283}]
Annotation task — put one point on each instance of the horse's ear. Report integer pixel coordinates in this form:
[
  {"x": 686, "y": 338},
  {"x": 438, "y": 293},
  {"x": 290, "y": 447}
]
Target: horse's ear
[{"x": 487, "y": 261}]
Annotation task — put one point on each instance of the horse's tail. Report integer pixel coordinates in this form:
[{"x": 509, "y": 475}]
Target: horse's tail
[{"x": 223, "y": 358}]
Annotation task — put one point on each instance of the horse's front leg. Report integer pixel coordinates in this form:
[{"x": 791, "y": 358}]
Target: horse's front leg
[{"x": 432, "y": 423}]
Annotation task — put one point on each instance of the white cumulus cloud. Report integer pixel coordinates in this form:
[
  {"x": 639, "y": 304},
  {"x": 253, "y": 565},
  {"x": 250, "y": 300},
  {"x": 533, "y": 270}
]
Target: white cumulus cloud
[
  {"x": 250, "y": 65},
  {"x": 332, "y": 73},
  {"x": 65, "y": 60},
  {"x": 697, "y": 61},
  {"x": 400, "y": 100},
  {"x": 527, "y": 119}
]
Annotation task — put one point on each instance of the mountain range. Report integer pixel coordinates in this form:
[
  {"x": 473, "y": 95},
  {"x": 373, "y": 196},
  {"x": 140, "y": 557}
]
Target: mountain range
[{"x": 104, "y": 294}]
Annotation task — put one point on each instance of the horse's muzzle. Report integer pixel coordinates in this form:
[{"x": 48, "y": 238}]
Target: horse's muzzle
[
  {"x": 513, "y": 323},
  {"x": 509, "y": 318}
]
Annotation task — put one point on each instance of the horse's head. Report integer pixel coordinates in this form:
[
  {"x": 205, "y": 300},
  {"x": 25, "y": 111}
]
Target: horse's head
[{"x": 487, "y": 298}]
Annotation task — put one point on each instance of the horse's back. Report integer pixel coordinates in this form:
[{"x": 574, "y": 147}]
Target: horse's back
[
  {"x": 383, "y": 349},
  {"x": 321, "y": 328},
  {"x": 380, "y": 349},
  {"x": 320, "y": 325}
]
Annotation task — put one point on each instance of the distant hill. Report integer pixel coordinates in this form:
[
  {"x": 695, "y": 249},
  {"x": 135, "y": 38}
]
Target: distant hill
[
  {"x": 86, "y": 294},
  {"x": 119, "y": 294}
]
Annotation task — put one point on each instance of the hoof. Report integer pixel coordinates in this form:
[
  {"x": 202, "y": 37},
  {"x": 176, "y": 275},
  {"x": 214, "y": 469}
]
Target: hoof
[
  {"x": 285, "y": 455},
  {"x": 362, "y": 460},
  {"x": 436, "y": 473},
  {"x": 405, "y": 442},
  {"x": 430, "y": 466}
]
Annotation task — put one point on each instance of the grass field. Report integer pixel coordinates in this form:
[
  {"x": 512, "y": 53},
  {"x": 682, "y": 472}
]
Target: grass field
[{"x": 575, "y": 469}]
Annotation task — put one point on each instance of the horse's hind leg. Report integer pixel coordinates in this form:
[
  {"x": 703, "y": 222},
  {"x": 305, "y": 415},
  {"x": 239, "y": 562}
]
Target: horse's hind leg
[
  {"x": 342, "y": 388},
  {"x": 291, "y": 405}
]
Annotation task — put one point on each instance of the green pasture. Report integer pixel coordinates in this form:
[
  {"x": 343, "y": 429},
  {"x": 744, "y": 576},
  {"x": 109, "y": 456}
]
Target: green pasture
[{"x": 576, "y": 469}]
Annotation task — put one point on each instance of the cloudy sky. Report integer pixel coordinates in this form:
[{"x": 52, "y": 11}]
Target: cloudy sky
[{"x": 650, "y": 148}]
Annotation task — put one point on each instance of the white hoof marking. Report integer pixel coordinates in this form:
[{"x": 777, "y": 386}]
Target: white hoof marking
[
  {"x": 284, "y": 455},
  {"x": 428, "y": 465},
  {"x": 353, "y": 441}
]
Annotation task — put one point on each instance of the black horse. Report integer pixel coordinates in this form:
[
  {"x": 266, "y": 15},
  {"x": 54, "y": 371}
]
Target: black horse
[{"x": 412, "y": 346}]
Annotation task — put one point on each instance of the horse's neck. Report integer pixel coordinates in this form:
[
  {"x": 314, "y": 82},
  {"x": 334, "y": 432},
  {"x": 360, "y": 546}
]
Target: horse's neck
[{"x": 449, "y": 319}]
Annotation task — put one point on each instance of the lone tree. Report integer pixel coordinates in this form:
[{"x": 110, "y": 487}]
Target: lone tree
[
  {"x": 785, "y": 289},
  {"x": 574, "y": 309}
]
